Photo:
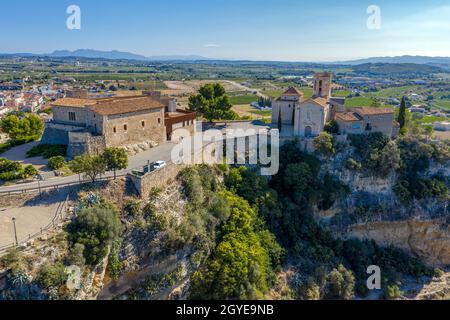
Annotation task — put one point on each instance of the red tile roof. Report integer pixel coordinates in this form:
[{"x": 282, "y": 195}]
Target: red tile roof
[
  {"x": 112, "y": 106},
  {"x": 293, "y": 92},
  {"x": 366, "y": 111},
  {"x": 73, "y": 103},
  {"x": 348, "y": 116},
  {"x": 126, "y": 105}
]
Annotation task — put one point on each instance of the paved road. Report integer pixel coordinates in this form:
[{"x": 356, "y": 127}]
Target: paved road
[{"x": 162, "y": 152}]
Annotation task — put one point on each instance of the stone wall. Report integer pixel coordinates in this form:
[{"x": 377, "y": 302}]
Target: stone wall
[
  {"x": 310, "y": 115},
  {"x": 135, "y": 128},
  {"x": 81, "y": 143},
  {"x": 156, "y": 179},
  {"x": 56, "y": 134},
  {"x": 61, "y": 115}
]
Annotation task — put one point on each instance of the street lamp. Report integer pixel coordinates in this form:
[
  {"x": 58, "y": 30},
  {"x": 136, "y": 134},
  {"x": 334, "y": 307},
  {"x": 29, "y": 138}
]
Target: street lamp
[
  {"x": 15, "y": 231},
  {"x": 38, "y": 177}
]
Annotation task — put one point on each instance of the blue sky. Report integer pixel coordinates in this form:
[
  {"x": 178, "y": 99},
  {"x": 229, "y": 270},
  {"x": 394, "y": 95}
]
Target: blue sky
[{"x": 291, "y": 30}]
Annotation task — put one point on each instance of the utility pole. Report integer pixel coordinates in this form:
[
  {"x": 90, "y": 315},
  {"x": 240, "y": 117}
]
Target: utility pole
[{"x": 15, "y": 231}]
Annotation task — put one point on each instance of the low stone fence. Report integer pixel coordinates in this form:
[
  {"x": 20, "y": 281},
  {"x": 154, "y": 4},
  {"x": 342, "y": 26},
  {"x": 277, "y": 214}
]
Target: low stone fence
[{"x": 156, "y": 179}]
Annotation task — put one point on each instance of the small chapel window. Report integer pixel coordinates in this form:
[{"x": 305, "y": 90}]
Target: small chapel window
[
  {"x": 125, "y": 127},
  {"x": 143, "y": 124}
]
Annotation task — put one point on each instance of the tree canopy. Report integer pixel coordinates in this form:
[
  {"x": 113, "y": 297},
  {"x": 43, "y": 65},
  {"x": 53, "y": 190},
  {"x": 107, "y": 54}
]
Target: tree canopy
[
  {"x": 21, "y": 127},
  {"x": 213, "y": 103},
  {"x": 116, "y": 159}
]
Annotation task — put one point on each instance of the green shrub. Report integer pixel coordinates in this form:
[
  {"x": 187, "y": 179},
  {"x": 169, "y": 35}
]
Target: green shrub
[
  {"x": 47, "y": 151},
  {"x": 52, "y": 276},
  {"x": 56, "y": 163},
  {"x": 9, "y": 166},
  {"x": 76, "y": 255},
  {"x": 8, "y": 176},
  {"x": 393, "y": 292},
  {"x": 133, "y": 208},
  {"x": 30, "y": 171},
  {"x": 96, "y": 228},
  {"x": 352, "y": 164},
  {"x": 13, "y": 260},
  {"x": 340, "y": 284}
]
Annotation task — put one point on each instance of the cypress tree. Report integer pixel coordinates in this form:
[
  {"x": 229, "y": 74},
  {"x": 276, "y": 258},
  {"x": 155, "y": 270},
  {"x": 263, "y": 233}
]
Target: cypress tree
[
  {"x": 280, "y": 125},
  {"x": 402, "y": 114}
]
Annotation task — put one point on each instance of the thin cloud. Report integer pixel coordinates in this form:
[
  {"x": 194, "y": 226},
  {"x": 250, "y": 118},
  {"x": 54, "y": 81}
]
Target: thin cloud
[{"x": 211, "y": 45}]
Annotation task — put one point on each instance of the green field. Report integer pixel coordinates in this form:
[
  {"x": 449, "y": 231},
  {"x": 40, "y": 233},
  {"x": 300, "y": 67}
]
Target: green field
[
  {"x": 358, "y": 102},
  {"x": 340, "y": 93},
  {"x": 442, "y": 104},
  {"x": 244, "y": 99},
  {"x": 432, "y": 119}
]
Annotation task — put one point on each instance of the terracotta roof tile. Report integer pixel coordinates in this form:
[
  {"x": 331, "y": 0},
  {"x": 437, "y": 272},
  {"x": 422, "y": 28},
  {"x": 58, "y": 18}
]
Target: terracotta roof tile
[
  {"x": 293, "y": 91},
  {"x": 112, "y": 106},
  {"x": 72, "y": 102},
  {"x": 320, "y": 101},
  {"x": 366, "y": 111},
  {"x": 125, "y": 105},
  {"x": 348, "y": 116}
]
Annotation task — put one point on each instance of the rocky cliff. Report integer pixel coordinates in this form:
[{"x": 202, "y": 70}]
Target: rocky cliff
[{"x": 372, "y": 211}]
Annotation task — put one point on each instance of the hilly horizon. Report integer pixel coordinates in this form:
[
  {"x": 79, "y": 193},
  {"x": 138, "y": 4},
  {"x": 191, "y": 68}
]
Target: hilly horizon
[{"x": 122, "y": 55}]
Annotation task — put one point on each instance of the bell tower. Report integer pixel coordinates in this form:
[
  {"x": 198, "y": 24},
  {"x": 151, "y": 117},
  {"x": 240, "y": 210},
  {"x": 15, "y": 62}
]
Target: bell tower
[{"x": 322, "y": 85}]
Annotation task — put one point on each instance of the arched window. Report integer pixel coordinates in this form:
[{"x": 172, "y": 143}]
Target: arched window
[{"x": 308, "y": 132}]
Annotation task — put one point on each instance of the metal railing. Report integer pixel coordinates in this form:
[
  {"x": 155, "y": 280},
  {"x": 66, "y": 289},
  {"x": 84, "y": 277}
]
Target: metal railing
[{"x": 57, "y": 186}]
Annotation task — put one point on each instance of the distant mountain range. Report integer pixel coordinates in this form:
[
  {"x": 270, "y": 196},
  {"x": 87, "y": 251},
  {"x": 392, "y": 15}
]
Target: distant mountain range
[
  {"x": 111, "y": 55},
  {"x": 120, "y": 55},
  {"x": 400, "y": 59}
]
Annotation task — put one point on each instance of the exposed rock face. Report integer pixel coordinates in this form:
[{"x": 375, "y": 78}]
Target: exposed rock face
[
  {"x": 426, "y": 239},
  {"x": 372, "y": 211}
]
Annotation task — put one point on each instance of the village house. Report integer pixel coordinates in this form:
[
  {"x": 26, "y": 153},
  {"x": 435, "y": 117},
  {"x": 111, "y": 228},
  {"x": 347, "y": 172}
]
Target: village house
[
  {"x": 307, "y": 118},
  {"x": 136, "y": 123}
]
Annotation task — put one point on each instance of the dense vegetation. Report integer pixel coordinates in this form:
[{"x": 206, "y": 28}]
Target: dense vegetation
[
  {"x": 11, "y": 170},
  {"x": 96, "y": 227},
  {"x": 47, "y": 151},
  {"x": 22, "y": 128},
  {"x": 327, "y": 268},
  {"x": 414, "y": 182}
]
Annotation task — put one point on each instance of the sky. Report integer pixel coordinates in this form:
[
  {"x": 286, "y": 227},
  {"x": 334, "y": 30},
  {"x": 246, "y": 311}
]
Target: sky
[{"x": 282, "y": 30}]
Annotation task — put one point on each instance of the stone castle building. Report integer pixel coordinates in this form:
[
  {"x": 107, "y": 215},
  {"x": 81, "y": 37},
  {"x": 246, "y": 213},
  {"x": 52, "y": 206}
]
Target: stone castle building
[
  {"x": 136, "y": 123},
  {"x": 307, "y": 118}
]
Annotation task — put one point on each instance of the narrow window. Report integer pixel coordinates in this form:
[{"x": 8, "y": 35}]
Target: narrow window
[
  {"x": 72, "y": 116},
  {"x": 125, "y": 127},
  {"x": 159, "y": 120},
  {"x": 143, "y": 124},
  {"x": 114, "y": 130}
]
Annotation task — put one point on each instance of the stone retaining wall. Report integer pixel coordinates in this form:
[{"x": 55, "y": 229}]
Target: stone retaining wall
[{"x": 157, "y": 179}]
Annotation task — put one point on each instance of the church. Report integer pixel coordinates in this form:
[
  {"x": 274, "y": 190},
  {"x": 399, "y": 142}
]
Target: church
[{"x": 306, "y": 118}]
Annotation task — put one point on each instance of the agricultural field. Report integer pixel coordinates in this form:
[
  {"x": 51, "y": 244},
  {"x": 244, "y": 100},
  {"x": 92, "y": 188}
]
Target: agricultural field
[
  {"x": 243, "y": 99},
  {"x": 359, "y": 102},
  {"x": 441, "y": 104}
]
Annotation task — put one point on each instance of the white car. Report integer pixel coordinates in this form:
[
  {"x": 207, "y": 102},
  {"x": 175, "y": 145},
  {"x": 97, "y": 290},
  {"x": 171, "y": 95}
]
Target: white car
[{"x": 159, "y": 165}]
